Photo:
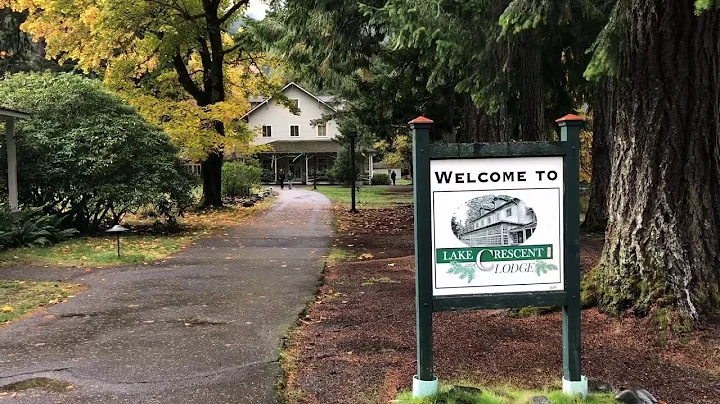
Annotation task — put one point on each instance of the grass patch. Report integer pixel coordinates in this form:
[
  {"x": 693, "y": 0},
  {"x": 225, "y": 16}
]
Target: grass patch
[
  {"x": 18, "y": 298},
  {"x": 372, "y": 281},
  {"x": 369, "y": 196},
  {"x": 502, "y": 395},
  {"x": 137, "y": 246},
  {"x": 338, "y": 254}
]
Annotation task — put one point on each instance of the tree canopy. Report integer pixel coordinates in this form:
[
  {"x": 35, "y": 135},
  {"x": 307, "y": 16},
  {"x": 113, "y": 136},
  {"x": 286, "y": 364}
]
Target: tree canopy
[{"x": 186, "y": 65}]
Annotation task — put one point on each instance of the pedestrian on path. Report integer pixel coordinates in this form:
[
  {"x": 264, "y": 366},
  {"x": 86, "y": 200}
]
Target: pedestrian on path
[
  {"x": 290, "y": 179},
  {"x": 281, "y": 178},
  {"x": 393, "y": 176}
]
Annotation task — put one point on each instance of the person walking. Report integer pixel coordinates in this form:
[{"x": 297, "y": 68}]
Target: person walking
[
  {"x": 281, "y": 178},
  {"x": 393, "y": 176},
  {"x": 290, "y": 179}
]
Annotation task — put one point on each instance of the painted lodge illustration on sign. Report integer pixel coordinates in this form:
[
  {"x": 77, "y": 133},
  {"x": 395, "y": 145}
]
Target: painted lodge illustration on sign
[{"x": 494, "y": 220}]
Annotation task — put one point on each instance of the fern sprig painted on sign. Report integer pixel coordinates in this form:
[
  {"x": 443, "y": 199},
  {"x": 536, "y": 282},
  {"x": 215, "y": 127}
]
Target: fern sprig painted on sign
[
  {"x": 464, "y": 270},
  {"x": 542, "y": 267}
]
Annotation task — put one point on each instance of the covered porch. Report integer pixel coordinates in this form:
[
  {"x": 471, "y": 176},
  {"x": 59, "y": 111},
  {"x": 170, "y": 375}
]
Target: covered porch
[{"x": 308, "y": 161}]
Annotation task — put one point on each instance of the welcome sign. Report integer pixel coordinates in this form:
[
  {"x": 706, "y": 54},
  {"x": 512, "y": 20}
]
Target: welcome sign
[{"x": 497, "y": 225}]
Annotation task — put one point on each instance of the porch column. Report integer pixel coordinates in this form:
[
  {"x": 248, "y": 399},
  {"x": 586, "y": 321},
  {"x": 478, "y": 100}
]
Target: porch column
[
  {"x": 370, "y": 159},
  {"x": 307, "y": 172},
  {"x": 12, "y": 163},
  {"x": 274, "y": 162}
]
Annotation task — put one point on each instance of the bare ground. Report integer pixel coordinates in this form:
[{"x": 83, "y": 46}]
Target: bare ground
[{"x": 357, "y": 343}]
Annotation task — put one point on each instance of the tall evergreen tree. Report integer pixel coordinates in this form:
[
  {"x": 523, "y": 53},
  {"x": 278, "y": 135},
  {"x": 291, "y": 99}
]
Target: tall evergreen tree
[{"x": 663, "y": 242}]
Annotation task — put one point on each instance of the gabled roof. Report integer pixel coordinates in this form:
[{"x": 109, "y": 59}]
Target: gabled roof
[{"x": 283, "y": 90}]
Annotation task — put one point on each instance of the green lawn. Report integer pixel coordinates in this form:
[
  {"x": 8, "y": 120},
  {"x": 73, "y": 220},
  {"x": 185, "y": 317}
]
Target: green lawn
[
  {"x": 504, "y": 395},
  {"x": 98, "y": 251},
  {"x": 20, "y": 297},
  {"x": 101, "y": 250},
  {"x": 369, "y": 196}
]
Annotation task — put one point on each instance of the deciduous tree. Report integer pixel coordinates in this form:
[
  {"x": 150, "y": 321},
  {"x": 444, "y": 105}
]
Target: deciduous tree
[{"x": 188, "y": 65}]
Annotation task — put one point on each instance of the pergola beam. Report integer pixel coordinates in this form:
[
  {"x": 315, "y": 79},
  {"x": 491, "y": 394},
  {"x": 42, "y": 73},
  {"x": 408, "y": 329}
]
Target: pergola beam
[{"x": 9, "y": 116}]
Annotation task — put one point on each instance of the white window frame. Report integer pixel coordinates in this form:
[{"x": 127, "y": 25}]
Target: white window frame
[
  {"x": 324, "y": 125},
  {"x": 290, "y": 130},
  {"x": 263, "y": 131}
]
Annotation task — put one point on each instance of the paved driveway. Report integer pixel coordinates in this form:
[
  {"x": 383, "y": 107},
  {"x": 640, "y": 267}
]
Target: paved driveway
[{"x": 203, "y": 327}]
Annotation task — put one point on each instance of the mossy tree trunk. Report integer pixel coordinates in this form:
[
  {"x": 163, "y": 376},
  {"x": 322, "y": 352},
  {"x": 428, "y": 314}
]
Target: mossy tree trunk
[
  {"x": 663, "y": 242},
  {"x": 603, "y": 108}
]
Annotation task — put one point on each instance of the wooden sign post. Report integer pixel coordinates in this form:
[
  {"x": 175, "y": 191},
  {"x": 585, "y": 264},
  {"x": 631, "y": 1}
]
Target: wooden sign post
[{"x": 497, "y": 225}]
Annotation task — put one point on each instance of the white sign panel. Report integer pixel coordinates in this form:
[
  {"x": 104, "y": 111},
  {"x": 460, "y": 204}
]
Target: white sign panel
[{"x": 497, "y": 225}]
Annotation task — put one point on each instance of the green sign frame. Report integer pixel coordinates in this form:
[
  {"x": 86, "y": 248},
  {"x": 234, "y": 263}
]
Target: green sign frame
[{"x": 425, "y": 303}]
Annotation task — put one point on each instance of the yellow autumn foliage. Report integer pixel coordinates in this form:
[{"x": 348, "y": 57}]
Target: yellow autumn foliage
[{"x": 132, "y": 45}]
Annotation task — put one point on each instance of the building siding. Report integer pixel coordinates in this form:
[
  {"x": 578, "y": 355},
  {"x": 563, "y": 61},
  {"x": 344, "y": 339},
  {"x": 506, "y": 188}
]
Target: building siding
[{"x": 280, "y": 119}]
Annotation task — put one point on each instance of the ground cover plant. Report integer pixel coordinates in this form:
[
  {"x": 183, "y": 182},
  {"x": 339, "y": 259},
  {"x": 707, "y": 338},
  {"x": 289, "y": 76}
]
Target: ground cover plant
[
  {"x": 363, "y": 329},
  {"x": 501, "y": 395},
  {"x": 143, "y": 244}
]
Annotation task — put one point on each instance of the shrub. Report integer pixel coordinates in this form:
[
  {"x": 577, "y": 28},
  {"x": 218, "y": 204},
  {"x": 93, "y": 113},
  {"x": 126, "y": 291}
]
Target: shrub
[
  {"x": 238, "y": 179},
  {"x": 267, "y": 176},
  {"x": 340, "y": 172},
  {"x": 380, "y": 179},
  {"x": 87, "y": 154}
]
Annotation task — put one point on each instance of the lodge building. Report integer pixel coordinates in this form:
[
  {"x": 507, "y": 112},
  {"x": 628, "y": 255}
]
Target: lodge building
[{"x": 502, "y": 221}]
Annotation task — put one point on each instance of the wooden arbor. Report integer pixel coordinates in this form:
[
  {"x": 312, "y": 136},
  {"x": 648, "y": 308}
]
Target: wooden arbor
[{"x": 9, "y": 116}]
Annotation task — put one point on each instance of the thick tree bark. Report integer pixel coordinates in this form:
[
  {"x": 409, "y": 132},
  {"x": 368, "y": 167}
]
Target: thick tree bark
[
  {"x": 212, "y": 91},
  {"x": 603, "y": 121},
  {"x": 532, "y": 111},
  {"x": 479, "y": 126},
  {"x": 212, "y": 171},
  {"x": 662, "y": 248}
]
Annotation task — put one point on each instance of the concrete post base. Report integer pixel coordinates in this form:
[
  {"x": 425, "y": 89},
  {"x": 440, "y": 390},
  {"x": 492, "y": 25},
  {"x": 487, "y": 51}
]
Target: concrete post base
[
  {"x": 574, "y": 388},
  {"x": 424, "y": 388}
]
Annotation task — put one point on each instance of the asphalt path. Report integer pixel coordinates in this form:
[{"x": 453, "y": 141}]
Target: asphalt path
[{"x": 204, "y": 326}]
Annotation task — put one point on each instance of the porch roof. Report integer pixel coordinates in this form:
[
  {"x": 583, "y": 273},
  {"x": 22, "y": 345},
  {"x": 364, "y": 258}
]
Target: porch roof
[{"x": 305, "y": 146}]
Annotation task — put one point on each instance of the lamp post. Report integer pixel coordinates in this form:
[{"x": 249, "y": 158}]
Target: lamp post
[
  {"x": 117, "y": 230},
  {"x": 352, "y": 135}
]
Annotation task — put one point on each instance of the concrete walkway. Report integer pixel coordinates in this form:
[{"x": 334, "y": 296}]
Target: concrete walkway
[{"x": 205, "y": 327}]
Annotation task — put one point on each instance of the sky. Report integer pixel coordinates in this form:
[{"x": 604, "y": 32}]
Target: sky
[{"x": 257, "y": 9}]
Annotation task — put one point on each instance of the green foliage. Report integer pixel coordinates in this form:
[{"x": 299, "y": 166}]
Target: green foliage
[
  {"x": 397, "y": 151},
  {"x": 369, "y": 197},
  {"x": 341, "y": 170},
  {"x": 238, "y": 179},
  {"x": 380, "y": 179},
  {"x": 31, "y": 228},
  {"x": 87, "y": 154},
  {"x": 503, "y": 395},
  {"x": 705, "y": 5},
  {"x": 464, "y": 270}
]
